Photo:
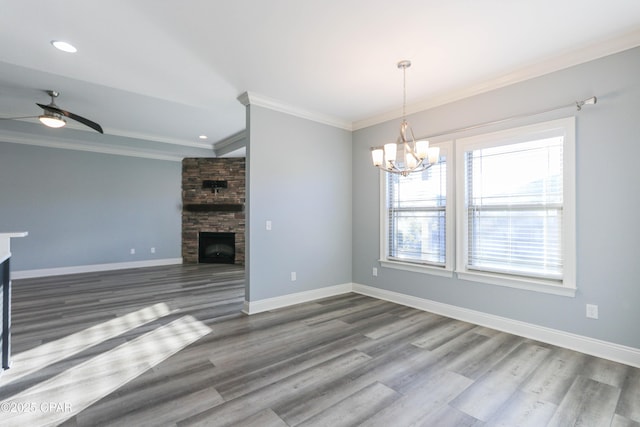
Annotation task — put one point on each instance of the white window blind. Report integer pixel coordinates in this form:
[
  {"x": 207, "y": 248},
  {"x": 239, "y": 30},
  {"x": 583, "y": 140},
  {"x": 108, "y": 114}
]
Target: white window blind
[
  {"x": 514, "y": 208},
  {"x": 416, "y": 215}
]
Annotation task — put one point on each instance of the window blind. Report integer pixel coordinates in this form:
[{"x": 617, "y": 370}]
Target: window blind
[
  {"x": 514, "y": 202},
  {"x": 416, "y": 213}
]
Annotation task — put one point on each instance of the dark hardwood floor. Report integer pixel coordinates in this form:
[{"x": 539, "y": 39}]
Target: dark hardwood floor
[{"x": 169, "y": 346}]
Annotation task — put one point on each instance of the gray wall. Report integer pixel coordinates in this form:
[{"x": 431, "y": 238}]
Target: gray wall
[
  {"x": 608, "y": 200},
  {"x": 299, "y": 177},
  {"x": 84, "y": 208}
]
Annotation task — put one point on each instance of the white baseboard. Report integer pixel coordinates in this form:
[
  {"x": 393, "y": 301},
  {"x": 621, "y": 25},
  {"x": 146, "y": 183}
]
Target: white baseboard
[
  {"x": 253, "y": 307},
  {"x": 57, "y": 271},
  {"x": 606, "y": 350}
]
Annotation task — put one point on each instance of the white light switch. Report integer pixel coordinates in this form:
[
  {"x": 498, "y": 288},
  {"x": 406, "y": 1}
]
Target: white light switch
[
  {"x": 293, "y": 276},
  {"x": 268, "y": 225}
]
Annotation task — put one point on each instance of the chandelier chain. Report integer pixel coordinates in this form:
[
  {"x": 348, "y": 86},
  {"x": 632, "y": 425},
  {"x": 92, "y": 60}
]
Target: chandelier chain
[
  {"x": 404, "y": 93},
  {"x": 407, "y": 155},
  {"x": 416, "y": 156}
]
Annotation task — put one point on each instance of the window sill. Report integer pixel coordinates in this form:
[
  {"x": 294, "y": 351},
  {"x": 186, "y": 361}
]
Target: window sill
[
  {"x": 416, "y": 268},
  {"x": 518, "y": 283}
]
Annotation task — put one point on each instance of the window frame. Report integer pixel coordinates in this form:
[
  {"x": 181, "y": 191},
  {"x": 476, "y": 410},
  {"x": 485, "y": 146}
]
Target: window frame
[
  {"x": 456, "y": 214},
  {"x": 446, "y": 150},
  {"x": 565, "y": 286}
]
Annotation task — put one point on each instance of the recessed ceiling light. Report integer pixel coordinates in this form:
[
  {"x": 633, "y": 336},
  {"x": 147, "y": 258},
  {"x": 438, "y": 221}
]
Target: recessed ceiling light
[
  {"x": 64, "y": 46},
  {"x": 203, "y": 137}
]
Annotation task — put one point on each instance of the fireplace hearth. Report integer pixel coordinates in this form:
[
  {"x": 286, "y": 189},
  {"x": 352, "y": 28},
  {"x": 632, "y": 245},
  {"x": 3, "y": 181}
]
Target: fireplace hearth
[{"x": 216, "y": 248}]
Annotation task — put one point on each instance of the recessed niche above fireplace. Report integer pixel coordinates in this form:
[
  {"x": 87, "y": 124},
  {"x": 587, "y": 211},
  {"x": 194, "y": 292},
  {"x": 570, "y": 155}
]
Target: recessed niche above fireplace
[{"x": 216, "y": 248}]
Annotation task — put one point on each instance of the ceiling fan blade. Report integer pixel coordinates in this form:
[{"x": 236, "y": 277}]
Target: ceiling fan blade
[
  {"x": 18, "y": 118},
  {"x": 93, "y": 125}
]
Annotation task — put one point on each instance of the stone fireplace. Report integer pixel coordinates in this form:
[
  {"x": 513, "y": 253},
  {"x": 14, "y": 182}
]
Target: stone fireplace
[{"x": 213, "y": 199}]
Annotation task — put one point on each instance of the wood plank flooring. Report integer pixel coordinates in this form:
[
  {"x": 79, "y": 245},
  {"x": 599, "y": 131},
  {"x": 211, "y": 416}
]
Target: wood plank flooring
[{"x": 168, "y": 346}]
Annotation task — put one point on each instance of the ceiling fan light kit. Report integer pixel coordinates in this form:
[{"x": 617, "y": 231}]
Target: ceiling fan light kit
[
  {"x": 52, "y": 120},
  {"x": 53, "y": 115}
]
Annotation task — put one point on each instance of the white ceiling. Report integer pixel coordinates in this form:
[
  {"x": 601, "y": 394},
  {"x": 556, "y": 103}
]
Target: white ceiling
[{"x": 169, "y": 70}]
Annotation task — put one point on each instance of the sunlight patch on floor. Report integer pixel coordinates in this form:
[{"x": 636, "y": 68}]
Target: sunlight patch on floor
[
  {"x": 52, "y": 352},
  {"x": 68, "y": 393}
]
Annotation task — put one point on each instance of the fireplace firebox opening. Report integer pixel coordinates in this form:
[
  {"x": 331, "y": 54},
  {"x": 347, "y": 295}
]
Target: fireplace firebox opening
[{"x": 216, "y": 248}]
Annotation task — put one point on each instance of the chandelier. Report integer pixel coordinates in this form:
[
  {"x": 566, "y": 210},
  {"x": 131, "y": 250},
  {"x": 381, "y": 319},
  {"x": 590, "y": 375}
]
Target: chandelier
[{"x": 406, "y": 155}]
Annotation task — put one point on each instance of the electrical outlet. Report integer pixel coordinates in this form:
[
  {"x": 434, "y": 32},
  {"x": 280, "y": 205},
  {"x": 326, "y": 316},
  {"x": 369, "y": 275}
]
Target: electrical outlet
[
  {"x": 592, "y": 311},
  {"x": 153, "y": 250},
  {"x": 375, "y": 272},
  {"x": 268, "y": 225},
  {"x": 132, "y": 251},
  {"x": 293, "y": 276}
]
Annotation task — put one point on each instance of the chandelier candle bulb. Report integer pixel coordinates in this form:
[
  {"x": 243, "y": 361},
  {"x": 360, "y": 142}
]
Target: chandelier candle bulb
[
  {"x": 422, "y": 149},
  {"x": 390, "y": 151},
  {"x": 416, "y": 156},
  {"x": 434, "y": 155},
  {"x": 377, "y": 155}
]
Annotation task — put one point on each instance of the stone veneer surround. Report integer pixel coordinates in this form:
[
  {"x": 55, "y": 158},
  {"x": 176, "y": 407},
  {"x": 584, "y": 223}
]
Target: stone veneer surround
[{"x": 196, "y": 170}]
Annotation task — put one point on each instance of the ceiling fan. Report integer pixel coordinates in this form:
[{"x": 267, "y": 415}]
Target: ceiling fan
[{"x": 53, "y": 116}]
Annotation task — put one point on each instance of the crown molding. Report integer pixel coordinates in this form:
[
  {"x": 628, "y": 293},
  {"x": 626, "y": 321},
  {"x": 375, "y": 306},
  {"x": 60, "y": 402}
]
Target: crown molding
[
  {"x": 81, "y": 146},
  {"x": 232, "y": 140},
  {"x": 163, "y": 140},
  {"x": 136, "y": 135},
  {"x": 554, "y": 63},
  {"x": 252, "y": 98},
  {"x": 230, "y": 144}
]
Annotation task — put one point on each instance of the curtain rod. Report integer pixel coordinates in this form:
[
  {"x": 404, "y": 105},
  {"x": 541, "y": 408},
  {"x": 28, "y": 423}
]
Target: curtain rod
[{"x": 577, "y": 104}]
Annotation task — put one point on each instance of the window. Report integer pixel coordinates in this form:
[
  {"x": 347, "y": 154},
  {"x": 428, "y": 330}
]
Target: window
[
  {"x": 418, "y": 220},
  {"x": 515, "y": 206},
  {"x": 513, "y": 213}
]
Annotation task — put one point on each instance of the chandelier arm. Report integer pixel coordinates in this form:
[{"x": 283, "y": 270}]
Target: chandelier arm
[
  {"x": 412, "y": 161},
  {"x": 413, "y": 137},
  {"x": 410, "y": 150},
  {"x": 420, "y": 168}
]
